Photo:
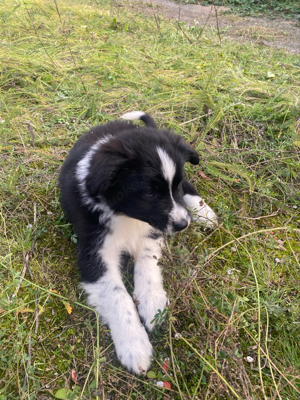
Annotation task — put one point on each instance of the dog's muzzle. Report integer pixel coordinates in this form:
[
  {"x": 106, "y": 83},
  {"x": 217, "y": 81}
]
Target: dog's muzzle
[{"x": 180, "y": 225}]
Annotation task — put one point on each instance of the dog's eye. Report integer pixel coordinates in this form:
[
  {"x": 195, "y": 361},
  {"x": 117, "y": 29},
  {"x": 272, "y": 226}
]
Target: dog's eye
[
  {"x": 149, "y": 194},
  {"x": 153, "y": 193}
]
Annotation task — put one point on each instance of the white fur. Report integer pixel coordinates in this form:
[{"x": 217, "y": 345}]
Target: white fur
[
  {"x": 201, "y": 212},
  {"x": 109, "y": 296},
  {"x": 148, "y": 282},
  {"x": 167, "y": 165},
  {"x": 133, "y": 115},
  {"x": 83, "y": 168},
  {"x": 178, "y": 213}
]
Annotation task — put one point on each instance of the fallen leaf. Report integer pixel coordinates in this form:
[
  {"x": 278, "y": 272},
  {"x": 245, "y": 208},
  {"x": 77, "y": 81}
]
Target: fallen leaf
[
  {"x": 68, "y": 308},
  {"x": 167, "y": 385},
  {"x": 202, "y": 174},
  {"x": 74, "y": 376},
  {"x": 166, "y": 366}
]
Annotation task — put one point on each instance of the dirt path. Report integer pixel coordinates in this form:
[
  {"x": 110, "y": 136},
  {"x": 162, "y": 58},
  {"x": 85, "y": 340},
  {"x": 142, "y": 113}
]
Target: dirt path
[{"x": 279, "y": 33}]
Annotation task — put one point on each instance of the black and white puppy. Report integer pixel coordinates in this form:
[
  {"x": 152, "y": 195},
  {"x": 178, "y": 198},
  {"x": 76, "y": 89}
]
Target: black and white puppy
[{"x": 123, "y": 187}]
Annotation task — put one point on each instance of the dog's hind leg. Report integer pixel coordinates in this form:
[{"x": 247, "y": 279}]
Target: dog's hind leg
[
  {"x": 148, "y": 283},
  {"x": 200, "y": 211},
  {"x": 108, "y": 296}
]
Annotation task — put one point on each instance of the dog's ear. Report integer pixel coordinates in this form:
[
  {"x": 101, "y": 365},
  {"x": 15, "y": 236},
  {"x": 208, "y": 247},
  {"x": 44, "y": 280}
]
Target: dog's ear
[
  {"x": 189, "y": 153},
  {"x": 104, "y": 171}
]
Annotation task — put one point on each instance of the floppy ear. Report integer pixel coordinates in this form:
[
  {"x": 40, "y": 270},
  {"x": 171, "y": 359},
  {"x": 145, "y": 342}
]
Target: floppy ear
[
  {"x": 189, "y": 153},
  {"x": 103, "y": 171}
]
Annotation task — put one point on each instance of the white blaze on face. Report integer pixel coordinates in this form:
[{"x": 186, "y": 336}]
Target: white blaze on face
[
  {"x": 178, "y": 213},
  {"x": 167, "y": 165}
]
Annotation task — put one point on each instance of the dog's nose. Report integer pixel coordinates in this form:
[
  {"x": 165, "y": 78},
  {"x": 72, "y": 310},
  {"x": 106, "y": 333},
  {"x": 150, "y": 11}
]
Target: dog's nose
[{"x": 180, "y": 225}]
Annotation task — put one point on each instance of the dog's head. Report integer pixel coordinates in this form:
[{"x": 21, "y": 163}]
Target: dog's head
[{"x": 139, "y": 173}]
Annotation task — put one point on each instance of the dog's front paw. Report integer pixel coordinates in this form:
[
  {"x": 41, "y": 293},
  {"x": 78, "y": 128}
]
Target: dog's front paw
[
  {"x": 134, "y": 349},
  {"x": 149, "y": 304},
  {"x": 201, "y": 212}
]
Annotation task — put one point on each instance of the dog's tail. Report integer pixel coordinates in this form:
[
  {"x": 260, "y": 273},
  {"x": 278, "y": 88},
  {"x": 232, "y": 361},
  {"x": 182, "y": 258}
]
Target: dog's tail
[{"x": 149, "y": 121}]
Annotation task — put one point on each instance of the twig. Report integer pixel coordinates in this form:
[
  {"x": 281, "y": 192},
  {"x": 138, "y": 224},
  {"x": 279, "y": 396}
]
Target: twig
[
  {"x": 263, "y": 216},
  {"x": 25, "y": 268},
  {"x": 179, "y": 10},
  {"x": 21, "y": 280},
  {"x": 195, "y": 119},
  {"x": 217, "y": 19},
  {"x": 155, "y": 17},
  {"x": 29, "y": 126},
  {"x": 26, "y": 259},
  {"x": 204, "y": 26},
  {"x": 178, "y": 23}
]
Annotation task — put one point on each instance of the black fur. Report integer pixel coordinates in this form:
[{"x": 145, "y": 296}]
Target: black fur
[{"x": 125, "y": 173}]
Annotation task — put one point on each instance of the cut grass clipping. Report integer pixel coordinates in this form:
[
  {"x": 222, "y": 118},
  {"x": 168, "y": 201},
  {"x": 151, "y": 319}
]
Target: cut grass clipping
[{"x": 232, "y": 329}]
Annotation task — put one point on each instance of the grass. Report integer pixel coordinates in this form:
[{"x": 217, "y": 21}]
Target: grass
[
  {"x": 68, "y": 65},
  {"x": 257, "y": 8}
]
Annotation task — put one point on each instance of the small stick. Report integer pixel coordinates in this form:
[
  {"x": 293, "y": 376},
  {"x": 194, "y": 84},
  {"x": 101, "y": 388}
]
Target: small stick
[
  {"x": 21, "y": 280},
  {"x": 25, "y": 267},
  {"x": 29, "y": 126},
  {"x": 261, "y": 217},
  {"x": 156, "y": 19},
  {"x": 217, "y": 23},
  {"x": 37, "y": 318}
]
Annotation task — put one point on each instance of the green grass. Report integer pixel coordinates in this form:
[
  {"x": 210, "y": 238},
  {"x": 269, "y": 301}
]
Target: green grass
[
  {"x": 235, "y": 291},
  {"x": 271, "y": 8}
]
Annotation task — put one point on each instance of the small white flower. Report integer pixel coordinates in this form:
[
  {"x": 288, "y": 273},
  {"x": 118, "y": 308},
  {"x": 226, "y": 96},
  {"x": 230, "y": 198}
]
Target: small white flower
[
  {"x": 233, "y": 249},
  {"x": 277, "y": 260},
  {"x": 29, "y": 226},
  {"x": 47, "y": 386},
  {"x": 160, "y": 383},
  {"x": 250, "y": 359},
  {"x": 295, "y": 207},
  {"x": 230, "y": 271},
  {"x": 55, "y": 373},
  {"x": 177, "y": 336}
]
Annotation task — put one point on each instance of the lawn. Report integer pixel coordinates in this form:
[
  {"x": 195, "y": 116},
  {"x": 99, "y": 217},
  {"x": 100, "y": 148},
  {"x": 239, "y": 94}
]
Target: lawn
[{"x": 232, "y": 329}]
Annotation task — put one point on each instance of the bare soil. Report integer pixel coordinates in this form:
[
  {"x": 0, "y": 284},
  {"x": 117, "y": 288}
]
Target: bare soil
[{"x": 278, "y": 33}]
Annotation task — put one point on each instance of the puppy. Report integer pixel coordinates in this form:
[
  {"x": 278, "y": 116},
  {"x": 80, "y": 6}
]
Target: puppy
[{"x": 123, "y": 187}]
